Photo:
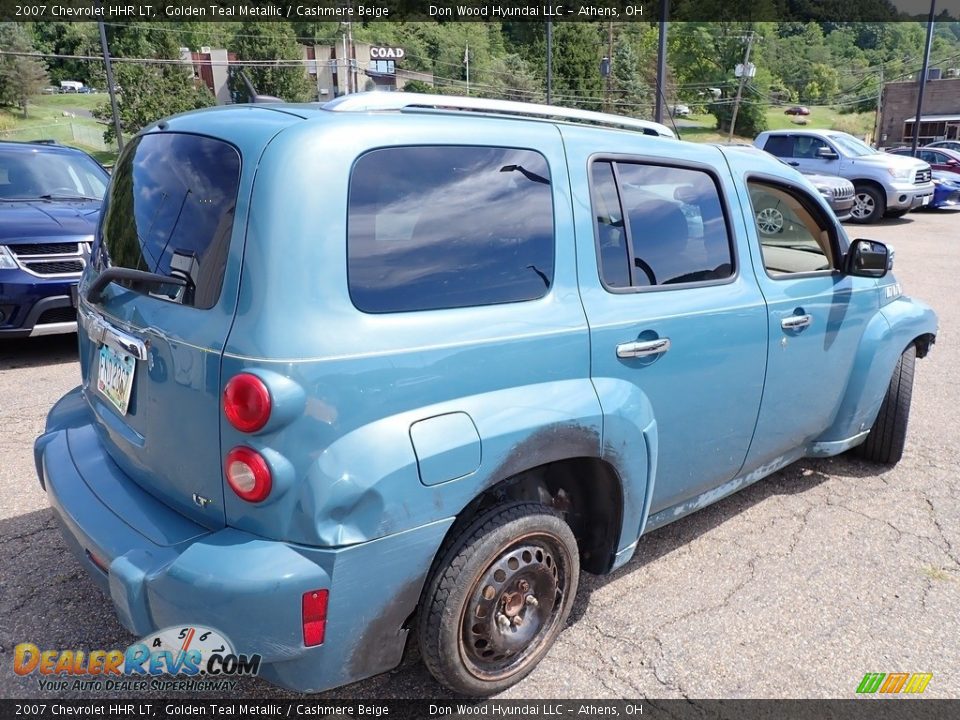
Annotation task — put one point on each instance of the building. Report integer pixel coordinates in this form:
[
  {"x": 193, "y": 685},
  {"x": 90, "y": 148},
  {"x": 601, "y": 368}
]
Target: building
[
  {"x": 211, "y": 66},
  {"x": 941, "y": 110}
]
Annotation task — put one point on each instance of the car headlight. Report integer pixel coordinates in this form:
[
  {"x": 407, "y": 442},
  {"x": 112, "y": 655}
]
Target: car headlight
[
  {"x": 6, "y": 259},
  {"x": 900, "y": 173}
]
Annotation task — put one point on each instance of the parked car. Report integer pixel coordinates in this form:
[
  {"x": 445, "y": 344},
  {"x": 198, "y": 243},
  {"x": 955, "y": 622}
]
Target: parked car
[
  {"x": 884, "y": 184},
  {"x": 938, "y": 158},
  {"x": 837, "y": 191},
  {"x": 797, "y": 110},
  {"x": 949, "y": 144},
  {"x": 50, "y": 199},
  {"x": 494, "y": 350},
  {"x": 947, "y": 189},
  {"x": 681, "y": 110}
]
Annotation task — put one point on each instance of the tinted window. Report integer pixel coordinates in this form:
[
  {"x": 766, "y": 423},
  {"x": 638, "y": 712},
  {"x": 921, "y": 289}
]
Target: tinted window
[
  {"x": 28, "y": 175},
  {"x": 170, "y": 208},
  {"x": 611, "y": 233},
  {"x": 675, "y": 228},
  {"x": 807, "y": 147},
  {"x": 446, "y": 227},
  {"x": 792, "y": 238},
  {"x": 780, "y": 145}
]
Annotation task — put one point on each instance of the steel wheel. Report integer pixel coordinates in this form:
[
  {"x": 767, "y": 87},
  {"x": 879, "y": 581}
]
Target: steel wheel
[
  {"x": 770, "y": 221},
  {"x": 498, "y": 597},
  {"x": 514, "y": 605}
]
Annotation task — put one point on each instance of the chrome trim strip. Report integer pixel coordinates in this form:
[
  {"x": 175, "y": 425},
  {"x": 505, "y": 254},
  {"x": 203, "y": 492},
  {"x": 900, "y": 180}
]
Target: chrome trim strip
[
  {"x": 100, "y": 331},
  {"x": 53, "y": 329}
]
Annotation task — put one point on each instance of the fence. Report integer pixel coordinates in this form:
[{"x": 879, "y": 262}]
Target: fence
[{"x": 90, "y": 137}]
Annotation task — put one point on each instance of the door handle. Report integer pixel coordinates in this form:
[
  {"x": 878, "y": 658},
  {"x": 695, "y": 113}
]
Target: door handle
[
  {"x": 795, "y": 322},
  {"x": 793, "y": 164},
  {"x": 643, "y": 349}
]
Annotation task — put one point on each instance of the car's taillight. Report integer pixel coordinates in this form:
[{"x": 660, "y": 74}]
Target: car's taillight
[
  {"x": 248, "y": 474},
  {"x": 246, "y": 402},
  {"x": 314, "y": 617}
]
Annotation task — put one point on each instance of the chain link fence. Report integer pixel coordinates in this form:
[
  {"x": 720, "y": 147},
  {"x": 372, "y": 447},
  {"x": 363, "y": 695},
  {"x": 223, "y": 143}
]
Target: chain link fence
[{"x": 89, "y": 137}]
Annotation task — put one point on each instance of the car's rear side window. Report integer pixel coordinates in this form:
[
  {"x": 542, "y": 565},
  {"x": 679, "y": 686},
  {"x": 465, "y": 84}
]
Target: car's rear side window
[
  {"x": 658, "y": 225},
  {"x": 447, "y": 227},
  {"x": 170, "y": 210},
  {"x": 779, "y": 145}
]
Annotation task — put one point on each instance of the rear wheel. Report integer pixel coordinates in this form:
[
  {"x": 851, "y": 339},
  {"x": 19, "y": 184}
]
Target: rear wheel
[
  {"x": 498, "y": 599},
  {"x": 868, "y": 204},
  {"x": 888, "y": 435}
]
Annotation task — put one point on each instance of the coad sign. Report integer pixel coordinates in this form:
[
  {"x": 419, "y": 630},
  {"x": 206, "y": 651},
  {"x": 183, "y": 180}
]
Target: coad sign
[{"x": 386, "y": 53}]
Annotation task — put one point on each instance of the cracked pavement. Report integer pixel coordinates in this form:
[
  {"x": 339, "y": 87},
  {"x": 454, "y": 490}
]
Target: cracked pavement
[{"x": 794, "y": 587}]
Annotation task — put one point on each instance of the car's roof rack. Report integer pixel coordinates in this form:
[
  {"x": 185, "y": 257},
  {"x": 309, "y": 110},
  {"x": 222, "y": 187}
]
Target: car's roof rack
[{"x": 401, "y": 101}]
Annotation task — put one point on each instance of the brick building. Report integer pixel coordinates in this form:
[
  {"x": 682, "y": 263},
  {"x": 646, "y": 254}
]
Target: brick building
[{"x": 941, "y": 111}]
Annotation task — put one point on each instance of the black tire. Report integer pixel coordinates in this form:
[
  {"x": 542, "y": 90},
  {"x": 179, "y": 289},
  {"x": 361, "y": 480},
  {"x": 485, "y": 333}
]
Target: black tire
[
  {"x": 868, "y": 204},
  {"x": 888, "y": 435},
  {"x": 897, "y": 213},
  {"x": 485, "y": 577}
]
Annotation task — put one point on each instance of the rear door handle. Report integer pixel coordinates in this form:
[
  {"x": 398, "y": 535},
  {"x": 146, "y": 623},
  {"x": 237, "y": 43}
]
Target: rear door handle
[
  {"x": 793, "y": 164},
  {"x": 643, "y": 349},
  {"x": 795, "y": 322}
]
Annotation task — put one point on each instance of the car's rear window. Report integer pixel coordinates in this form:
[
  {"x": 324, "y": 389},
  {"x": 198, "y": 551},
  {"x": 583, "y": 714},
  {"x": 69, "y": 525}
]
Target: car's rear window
[
  {"x": 448, "y": 227},
  {"x": 170, "y": 209}
]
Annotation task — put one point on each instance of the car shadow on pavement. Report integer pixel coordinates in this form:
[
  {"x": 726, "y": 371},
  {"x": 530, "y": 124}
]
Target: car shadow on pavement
[{"x": 34, "y": 352}]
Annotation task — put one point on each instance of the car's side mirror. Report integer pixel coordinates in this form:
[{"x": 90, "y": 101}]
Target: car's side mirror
[
  {"x": 826, "y": 153},
  {"x": 868, "y": 258}
]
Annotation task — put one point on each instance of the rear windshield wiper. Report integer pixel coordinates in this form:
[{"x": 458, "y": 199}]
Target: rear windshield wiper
[
  {"x": 137, "y": 276},
  {"x": 55, "y": 196}
]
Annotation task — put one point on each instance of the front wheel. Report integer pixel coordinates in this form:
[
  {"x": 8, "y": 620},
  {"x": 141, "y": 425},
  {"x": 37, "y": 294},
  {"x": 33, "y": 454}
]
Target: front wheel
[
  {"x": 868, "y": 204},
  {"x": 888, "y": 436},
  {"x": 498, "y": 599}
]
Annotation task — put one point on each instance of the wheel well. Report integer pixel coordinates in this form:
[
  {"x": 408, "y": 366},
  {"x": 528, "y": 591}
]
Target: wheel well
[
  {"x": 924, "y": 343},
  {"x": 586, "y": 491},
  {"x": 875, "y": 185}
]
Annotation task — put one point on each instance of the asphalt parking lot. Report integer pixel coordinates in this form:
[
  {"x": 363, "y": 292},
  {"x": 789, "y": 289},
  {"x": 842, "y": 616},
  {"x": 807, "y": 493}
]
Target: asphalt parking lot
[{"x": 795, "y": 587}]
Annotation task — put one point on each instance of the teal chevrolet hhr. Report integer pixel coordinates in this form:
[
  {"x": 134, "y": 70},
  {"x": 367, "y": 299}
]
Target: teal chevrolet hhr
[{"x": 405, "y": 365}]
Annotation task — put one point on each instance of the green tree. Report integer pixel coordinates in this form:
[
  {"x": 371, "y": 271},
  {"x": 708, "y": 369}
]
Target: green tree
[
  {"x": 153, "y": 88},
  {"x": 631, "y": 93},
  {"x": 273, "y": 41},
  {"x": 20, "y": 77}
]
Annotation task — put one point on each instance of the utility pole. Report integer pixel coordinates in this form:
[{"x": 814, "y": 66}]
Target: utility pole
[
  {"x": 466, "y": 59},
  {"x": 661, "y": 61},
  {"x": 610, "y": 66},
  {"x": 743, "y": 78},
  {"x": 549, "y": 60},
  {"x": 923, "y": 79},
  {"x": 110, "y": 85},
  {"x": 876, "y": 122}
]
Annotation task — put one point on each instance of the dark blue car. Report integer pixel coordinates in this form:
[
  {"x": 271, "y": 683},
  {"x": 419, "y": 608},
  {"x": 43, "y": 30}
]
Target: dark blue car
[{"x": 50, "y": 199}]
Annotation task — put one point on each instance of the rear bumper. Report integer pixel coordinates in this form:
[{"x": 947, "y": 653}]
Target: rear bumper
[{"x": 164, "y": 570}]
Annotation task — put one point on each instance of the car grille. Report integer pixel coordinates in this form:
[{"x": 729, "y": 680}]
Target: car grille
[
  {"x": 54, "y": 267},
  {"x": 58, "y": 315},
  {"x": 923, "y": 176},
  {"x": 844, "y": 192},
  {"x": 59, "y": 258},
  {"x": 45, "y": 249}
]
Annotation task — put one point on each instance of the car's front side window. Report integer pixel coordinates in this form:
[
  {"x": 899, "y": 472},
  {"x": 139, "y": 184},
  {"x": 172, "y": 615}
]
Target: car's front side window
[{"x": 794, "y": 237}]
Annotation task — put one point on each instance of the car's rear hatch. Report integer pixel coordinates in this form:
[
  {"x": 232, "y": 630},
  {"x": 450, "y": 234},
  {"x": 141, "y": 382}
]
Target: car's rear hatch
[{"x": 150, "y": 353}]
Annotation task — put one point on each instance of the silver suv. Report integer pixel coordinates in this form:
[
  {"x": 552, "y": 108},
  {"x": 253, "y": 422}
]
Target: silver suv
[{"x": 885, "y": 185}]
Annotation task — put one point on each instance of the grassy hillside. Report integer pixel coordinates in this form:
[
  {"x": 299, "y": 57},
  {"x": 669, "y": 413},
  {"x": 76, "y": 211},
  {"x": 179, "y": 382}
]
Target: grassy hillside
[{"x": 64, "y": 118}]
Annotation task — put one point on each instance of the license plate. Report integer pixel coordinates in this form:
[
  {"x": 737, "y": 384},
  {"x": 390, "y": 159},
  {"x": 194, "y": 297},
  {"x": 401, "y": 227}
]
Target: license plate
[
  {"x": 115, "y": 377},
  {"x": 926, "y": 200}
]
